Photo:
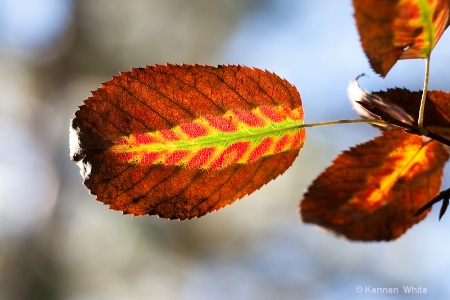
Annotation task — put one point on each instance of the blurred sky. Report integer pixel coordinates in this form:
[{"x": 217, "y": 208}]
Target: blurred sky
[{"x": 57, "y": 242}]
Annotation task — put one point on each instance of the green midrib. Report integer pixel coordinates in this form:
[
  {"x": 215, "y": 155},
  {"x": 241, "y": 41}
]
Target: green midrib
[
  {"x": 224, "y": 139},
  {"x": 426, "y": 11}
]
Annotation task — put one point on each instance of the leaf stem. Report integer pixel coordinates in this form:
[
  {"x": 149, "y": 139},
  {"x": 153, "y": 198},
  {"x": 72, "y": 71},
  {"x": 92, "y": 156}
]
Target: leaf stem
[
  {"x": 422, "y": 130},
  {"x": 389, "y": 121},
  {"x": 350, "y": 121}
]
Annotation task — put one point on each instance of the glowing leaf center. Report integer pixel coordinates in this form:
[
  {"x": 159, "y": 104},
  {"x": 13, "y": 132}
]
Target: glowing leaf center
[
  {"x": 420, "y": 25},
  {"x": 215, "y": 142}
]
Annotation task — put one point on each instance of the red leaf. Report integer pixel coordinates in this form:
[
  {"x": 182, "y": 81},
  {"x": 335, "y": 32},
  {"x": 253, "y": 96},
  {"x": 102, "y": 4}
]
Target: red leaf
[
  {"x": 371, "y": 192},
  {"x": 399, "y": 29},
  {"x": 182, "y": 141}
]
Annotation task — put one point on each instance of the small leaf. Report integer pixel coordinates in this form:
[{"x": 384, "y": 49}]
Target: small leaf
[
  {"x": 399, "y": 29},
  {"x": 403, "y": 105},
  {"x": 437, "y": 109},
  {"x": 444, "y": 206},
  {"x": 371, "y": 191},
  {"x": 182, "y": 141}
]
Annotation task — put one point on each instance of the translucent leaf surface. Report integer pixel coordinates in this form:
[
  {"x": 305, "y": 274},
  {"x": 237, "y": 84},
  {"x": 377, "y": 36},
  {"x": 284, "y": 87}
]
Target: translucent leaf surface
[
  {"x": 182, "y": 141},
  {"x": 371, "y": 191},
  {"x": 399, "y": 29}
]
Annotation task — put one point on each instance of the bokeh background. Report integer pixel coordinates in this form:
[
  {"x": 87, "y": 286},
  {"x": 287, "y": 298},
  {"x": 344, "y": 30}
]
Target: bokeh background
[{"x": 57, "y": 242}]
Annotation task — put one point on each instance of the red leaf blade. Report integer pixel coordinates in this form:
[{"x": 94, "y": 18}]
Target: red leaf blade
[
  {"x": 182, "y": 141},
  {"x": 399, "y": 29},
  {"x": 371, "y": 192}
]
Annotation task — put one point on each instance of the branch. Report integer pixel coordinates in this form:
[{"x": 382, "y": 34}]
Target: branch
[
  {"x": 444, "y": 195},
  {"x": 384, "y": 116}
]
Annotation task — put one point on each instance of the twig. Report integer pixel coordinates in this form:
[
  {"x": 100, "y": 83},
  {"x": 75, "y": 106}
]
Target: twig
[
  {"x": 422, "y": 130},
  {"x": 444, "y": 195},
  {"x": 408, "y": 128}
]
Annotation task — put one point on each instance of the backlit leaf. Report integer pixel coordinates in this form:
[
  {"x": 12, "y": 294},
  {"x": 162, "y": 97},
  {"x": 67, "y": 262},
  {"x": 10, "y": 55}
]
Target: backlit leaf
[
  {"x": 371, "y": 191},
  {"x": 399, "y": 29},
  {"x": 437, "y": 108},
  {"x": 403, "y": 105},
  {"x": 182, "y": 141}
]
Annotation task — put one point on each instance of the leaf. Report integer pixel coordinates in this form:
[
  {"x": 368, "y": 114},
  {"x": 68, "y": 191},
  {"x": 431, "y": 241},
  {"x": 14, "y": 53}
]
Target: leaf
[
  {"x": 399, "y": 29},
  {"x": 362, "y": 100},
  {"x": 437, "y": 109},
  {"x": 371, "y": 191},
  {"x": 182, "y": 141},
  {"x": 403, "y": 105}
]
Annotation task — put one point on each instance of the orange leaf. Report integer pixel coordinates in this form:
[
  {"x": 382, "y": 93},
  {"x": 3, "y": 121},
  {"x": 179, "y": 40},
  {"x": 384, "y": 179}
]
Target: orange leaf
[
  {"x": 371, "y": 191},
  {"x": 182, "y": 141},
  {"x": 399, "y": 29}
]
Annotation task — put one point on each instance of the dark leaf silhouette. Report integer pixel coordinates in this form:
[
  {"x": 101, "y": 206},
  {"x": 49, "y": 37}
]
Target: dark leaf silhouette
[
  {"x": 371, "y": 191},
  {"x": 182, "y": 141},
  {"x": 401, "y": 108},
  {"x": 437, "y": 109},
  {"x": 443, "y": 196}
]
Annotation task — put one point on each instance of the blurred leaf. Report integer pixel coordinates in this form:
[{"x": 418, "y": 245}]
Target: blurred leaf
[
  {"x": 371, "y": 191},
  {"x": 437, "y": 110},
  {"x": 362, "y": 100},
  {"x": 399, "y": 29},
  {"x": 403, "y": 105},
  {"x": 182, "y": 141}
]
